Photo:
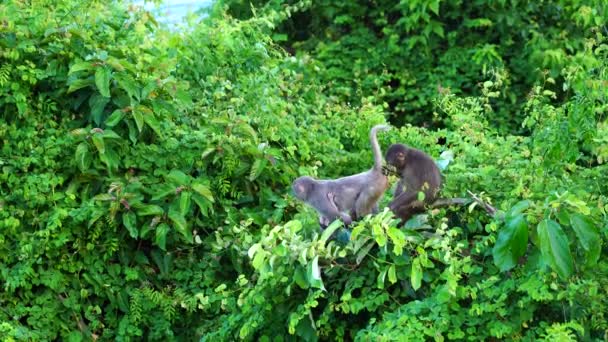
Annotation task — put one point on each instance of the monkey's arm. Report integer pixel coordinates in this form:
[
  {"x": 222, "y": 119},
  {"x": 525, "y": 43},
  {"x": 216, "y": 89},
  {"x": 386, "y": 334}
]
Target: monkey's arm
[
  {"x": 334, "y": 211},
  {"x": 398, "y": 189}
]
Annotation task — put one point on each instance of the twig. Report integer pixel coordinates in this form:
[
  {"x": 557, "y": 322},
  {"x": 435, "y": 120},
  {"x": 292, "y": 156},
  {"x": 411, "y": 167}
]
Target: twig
[
  {"x": 448, "y": 202},
  {"x": 490, "y": 209}
]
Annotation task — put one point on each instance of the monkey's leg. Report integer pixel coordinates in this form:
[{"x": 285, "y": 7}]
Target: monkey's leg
[
  {"x": 406, "y": 205},
  {"x": 334, "y": 211}
]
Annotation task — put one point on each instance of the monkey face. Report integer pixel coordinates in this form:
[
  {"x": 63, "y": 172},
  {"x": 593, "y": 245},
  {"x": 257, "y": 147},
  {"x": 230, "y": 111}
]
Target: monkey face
[
  {"x": 396, "y": 155},
  {"x": 301, "y": 187}
]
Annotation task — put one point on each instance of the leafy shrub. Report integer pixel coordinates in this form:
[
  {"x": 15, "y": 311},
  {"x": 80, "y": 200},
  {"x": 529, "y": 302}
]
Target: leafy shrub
[{"x": 407, "y": 52}]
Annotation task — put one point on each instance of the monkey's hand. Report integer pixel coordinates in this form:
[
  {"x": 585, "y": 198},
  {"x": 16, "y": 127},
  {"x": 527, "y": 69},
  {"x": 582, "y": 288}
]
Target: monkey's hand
[{"x": 346, "y": 218}]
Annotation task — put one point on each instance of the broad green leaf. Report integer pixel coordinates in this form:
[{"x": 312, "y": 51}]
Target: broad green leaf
[
  {"x": 126, "y": 83},
  {"x": 364, "y": 252},
  {"x": 253, "y": 249},
  {"x": 161, "y": 235},
  {"x": 512, "y": 243},
  {"x": 203, "y": 204},
  {"x": 330, "y": 230},
  {"x": 379, "y": 235},
  {"x": 314, "y": 274},
  {"x": 150, "y": 209},
  {"x": 203, "y": 190},
  {"x": 300, "y": 278},
  {"x": 115, "y": 63},
  {"x": 381, "y": 278},
  {"x": 398, "y": 238},
  {"x": 110, "y": 134},
  {"x": 257, "y": 168},
  {"x": 178, "y": 178},
  {"x": 434, "y": 6},
  {"x": 151, "y": 121},
  {"x": 115, "y": 118},
  {"x": 129, "y": 221},
  {"x": 392, "y": 274},
  {"x": 180, "y": 224},
  {"x": 80, "y": 66},
  {"x": 98, "y": 142},
  {"x": 83, "y": 157},
  {"x": 554, "y": 247},
  {"x": 138, "y": 116},
  {"x": 185, "y": 199},
  {"x": 258, "y": 259},
  {"x": 98, "y": 104},
  {"x": 416, "y": 274},
  {"x": 102, "y": 81},
  {"x": 162, "y": 191},
  {"x": 588, "y": 235},
  {"x": 518, "y": 208}
]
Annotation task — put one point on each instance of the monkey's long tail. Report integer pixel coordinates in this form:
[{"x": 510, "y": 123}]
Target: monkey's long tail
[{"x": 375, "y": 146}]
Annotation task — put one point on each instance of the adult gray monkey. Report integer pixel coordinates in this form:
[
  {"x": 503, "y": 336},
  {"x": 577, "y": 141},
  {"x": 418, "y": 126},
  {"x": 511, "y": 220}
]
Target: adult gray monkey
[{"x": 348, "y": 198}]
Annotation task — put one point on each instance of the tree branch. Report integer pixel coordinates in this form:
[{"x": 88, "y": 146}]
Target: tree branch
[{"x": 448, "y": 202}]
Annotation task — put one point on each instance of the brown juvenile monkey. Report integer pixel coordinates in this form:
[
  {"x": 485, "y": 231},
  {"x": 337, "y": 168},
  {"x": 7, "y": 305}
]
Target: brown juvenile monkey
[
  {"x": 348, "y": 198},
  {"x": 418, "y": 173}
]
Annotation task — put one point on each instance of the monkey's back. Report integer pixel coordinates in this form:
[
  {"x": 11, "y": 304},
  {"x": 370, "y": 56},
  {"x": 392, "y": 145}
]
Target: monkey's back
[{"x": 420, "y": 169}]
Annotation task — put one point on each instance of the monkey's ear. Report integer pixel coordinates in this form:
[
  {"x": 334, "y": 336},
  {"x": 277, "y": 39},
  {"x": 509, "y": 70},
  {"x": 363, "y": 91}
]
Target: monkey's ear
[{"x": 300, "y": 188}]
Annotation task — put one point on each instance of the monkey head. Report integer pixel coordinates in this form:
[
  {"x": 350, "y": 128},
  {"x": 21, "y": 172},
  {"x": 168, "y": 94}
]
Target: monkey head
[
  {"x": 302, "y": 187},
  {"x": 396, "y": 155}
]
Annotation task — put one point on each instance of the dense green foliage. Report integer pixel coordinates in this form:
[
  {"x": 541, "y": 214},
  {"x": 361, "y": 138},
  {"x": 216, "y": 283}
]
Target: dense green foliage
[
  {"x": 406, "y": 53},
  {"x": 144, "y": 174}
]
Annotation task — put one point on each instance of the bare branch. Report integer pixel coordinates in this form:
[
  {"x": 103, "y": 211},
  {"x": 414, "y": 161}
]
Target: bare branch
[{"x": 448, "y": 202}]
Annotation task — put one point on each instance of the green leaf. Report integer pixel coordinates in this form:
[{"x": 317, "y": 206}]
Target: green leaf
[
  {"x": 554, "y": 247},
  {"x": 258, "y": 259},
  {"x": 185, "y": 199},
  {"x": 98, "y": 142},
  {"x": 299, "y": 278},
  {"x": 80, "y": 66},
  {"x": 139, "y": 119},
  {"x": 364, "y": 251},
  {"x": 330, "y": 230},
  {"x": 518, "y": 208},
  {"x": 83, "y": 157},
  {"x": 203, "y": 190},
  {"x": 129, "y": 221},
  {"x": 180, "y": 224},
  {"x": 150, "y": 210},
  {"x": 126, "y": 83},
  {"x": 257, "y": 169},
  {"x": 178, "y": 178},
  {"x": 98, "y": 104},
  {"x": 115, "y": 118},
  {"x": 588, "y": 235},
  {"x": 314, "y": 274},
  {"x": 434, "y": 6},
  {"x": 115, "y": 63},
  {"x": 151, "y": 121},
  {"x": 79, "y": 84},
  {"x": 392, "y": 274},
  {"x": 398, "y": 238},
  {"x": 161, "y": 235},
  {"x": 416, "y": 274},
  {"x": 163, "y": 191},
  {"x": 421, "y": 196},
  {"x": 511, "y": 244},
  {"x": 380, "y": 279},
  {"x": 102, "y": 80}
]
